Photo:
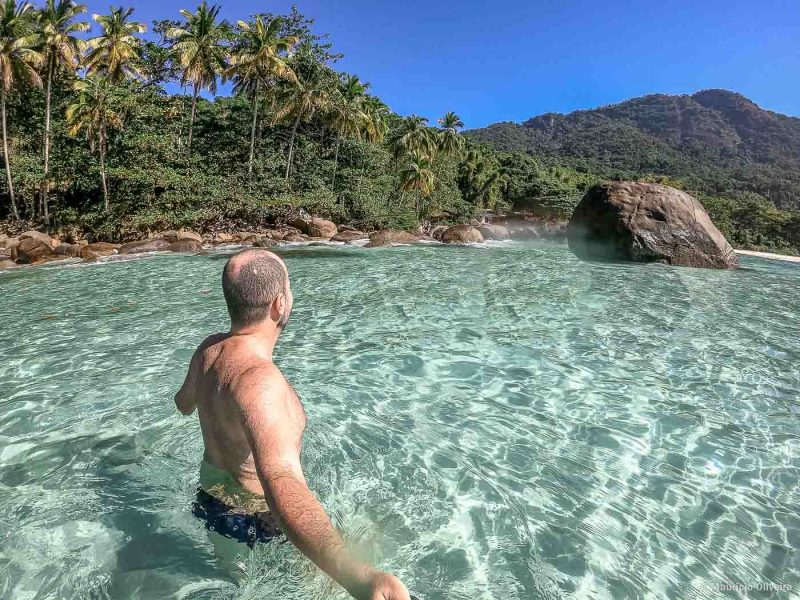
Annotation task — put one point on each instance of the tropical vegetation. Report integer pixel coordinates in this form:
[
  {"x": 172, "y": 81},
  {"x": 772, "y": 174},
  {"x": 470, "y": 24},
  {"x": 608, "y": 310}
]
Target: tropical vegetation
[{"x": 116, "y": 129}]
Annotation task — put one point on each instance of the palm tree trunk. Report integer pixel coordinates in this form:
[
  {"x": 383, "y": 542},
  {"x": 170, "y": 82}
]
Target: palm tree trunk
[
  {"x": 103, "y": 164},
  {"x": 253, "y": 130},
  {"x": 5, "y": 154},
  {"x": 191, "y": 118},
  {"x": 336, "y": 158},
  {"x": 45, "y": 188},
  {"x": 291, "y": 146}
]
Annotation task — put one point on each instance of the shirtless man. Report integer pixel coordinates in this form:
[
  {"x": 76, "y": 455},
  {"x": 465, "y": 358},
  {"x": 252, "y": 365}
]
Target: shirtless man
[{"x": 252, "y": 423}]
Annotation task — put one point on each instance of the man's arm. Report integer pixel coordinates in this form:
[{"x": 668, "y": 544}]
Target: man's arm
[
  {"x": 186, "y": 398},
  {"x": 273, "y": 440}
]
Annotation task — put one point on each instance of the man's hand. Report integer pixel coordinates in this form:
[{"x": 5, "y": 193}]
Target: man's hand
[{"x": 385, "y": 586}]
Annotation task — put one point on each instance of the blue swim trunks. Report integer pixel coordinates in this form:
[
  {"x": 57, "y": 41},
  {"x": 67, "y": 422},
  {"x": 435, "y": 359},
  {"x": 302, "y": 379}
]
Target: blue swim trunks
[{"x": 232, "y": 523}]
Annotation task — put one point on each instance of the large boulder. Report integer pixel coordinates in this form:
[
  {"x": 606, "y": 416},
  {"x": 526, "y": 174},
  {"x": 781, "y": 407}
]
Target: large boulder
[
  {"x": 186, "y": 245},
  {"x": 32, "y": 234},
  {"x": 387, "y": 237},
  {"x": 494, "y": 232},
  {"x": 647, "y": 222},
  {"x": 32, "y": 250},
  {"x": 348, "y": 236},
  {"x": 154, "y": 245},
  {"x": 461, "y": 234}
]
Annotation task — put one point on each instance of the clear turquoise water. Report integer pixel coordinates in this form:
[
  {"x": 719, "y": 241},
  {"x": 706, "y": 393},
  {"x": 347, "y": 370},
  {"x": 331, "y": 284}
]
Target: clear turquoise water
[{"x": 502, "y": 422}]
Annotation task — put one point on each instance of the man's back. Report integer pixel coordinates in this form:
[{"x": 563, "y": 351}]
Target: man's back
[{"x": 227, "y": 371}]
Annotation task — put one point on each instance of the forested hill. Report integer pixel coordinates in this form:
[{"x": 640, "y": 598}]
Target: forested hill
[{"x": 715, "y": 141}]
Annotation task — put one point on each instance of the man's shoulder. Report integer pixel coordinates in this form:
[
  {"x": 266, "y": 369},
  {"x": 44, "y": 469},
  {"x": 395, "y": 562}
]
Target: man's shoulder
[
  {"x": 261, "y": 374},
  {"x": 212, "y": 340}
]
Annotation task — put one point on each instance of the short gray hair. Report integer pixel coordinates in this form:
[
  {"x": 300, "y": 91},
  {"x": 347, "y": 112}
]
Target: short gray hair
[{"x": 251, "y": 281}]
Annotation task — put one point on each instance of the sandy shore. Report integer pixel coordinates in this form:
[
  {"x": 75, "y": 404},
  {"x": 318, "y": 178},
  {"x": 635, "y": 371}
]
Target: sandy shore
[{"x": 769, "y": 255}]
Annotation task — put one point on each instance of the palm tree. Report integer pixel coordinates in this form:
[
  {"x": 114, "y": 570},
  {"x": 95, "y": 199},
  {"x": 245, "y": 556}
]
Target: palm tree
[
  {"x": 93, "y": 112},
  {"x": 115, "y": 52},
  {"x": 477, "y": 176},
  {"x": 450, "y": 141},
  {"x": 413, "y": 135},
  {"x": 417, "y": 175},
  {"x": 257, "y": 59},
  {"x": 19, "y": 61},
  {"x": 62, "y": 52},
  {"x": 199, "y": 48},
  {"x": 347, "y": 113},
  {"x": 376, "y": 112},
  {"x": 299, "y": 101}
]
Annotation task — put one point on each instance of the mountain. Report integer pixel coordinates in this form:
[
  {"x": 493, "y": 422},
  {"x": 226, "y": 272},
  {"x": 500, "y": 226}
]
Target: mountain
[{"x": 715, "y": 141}]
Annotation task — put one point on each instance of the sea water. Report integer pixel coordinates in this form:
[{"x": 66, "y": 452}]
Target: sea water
[{"x": 486, "y": 422}]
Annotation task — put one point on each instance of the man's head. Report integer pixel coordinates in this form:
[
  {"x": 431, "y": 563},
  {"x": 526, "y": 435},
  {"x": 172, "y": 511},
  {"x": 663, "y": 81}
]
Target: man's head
[{"x": 256, "y": 288}]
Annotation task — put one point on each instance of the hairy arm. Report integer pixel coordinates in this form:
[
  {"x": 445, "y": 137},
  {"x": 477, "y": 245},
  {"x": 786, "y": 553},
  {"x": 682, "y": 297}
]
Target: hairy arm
[{"x": 272, "y": 432}]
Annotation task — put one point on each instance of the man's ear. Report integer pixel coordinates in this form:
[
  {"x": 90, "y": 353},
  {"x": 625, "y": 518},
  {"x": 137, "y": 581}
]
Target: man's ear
[{"x": 277, "y": 308}]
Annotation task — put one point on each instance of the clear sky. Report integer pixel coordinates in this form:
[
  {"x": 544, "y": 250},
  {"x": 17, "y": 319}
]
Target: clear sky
[{"x": 507, "y": 61}]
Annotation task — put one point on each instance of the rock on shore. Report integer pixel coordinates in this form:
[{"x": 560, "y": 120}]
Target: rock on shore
[
  {"x": 349, "y": 236},
  {"x": 494, "y": 232},
  {"x": 461, "y": 234},
  {"x": 647, "y": 222},
  {"x": 32, "y": 250},
  {"x": 152, "y": 245},
  {"x": 387, "y": 237}
]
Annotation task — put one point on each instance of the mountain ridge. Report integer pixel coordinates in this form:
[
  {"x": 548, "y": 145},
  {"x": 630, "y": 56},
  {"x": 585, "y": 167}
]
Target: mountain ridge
[{"x": 715, "y": 141}]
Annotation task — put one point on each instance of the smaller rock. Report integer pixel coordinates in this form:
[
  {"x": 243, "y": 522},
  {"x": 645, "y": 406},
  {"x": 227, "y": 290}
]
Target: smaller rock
[
  {"x": 68, "y": 250},
  {"x": 295, "y": 237},
  {"x": 275, "y": 234},
  {"x": 186, "y": 245},
  {"x": 384, "y": 237},
  {"x": 141, "y": 246},
  {"x": 436, "y": 232},
  {"x": 321, "y": 228},
  {"x": 9, "y": 242},
  {"x": 348, "y": 236},
  {"x": 265, "y": 242},
  {"x": 494, "y": 232},
  {"x": 32, "y": 250},
  {"x": 170, "y": 236},
  {"x": 98, "y": 249},
  {"x": 222, "y": 238},
  {"x": 245, "y": 237},
  {"x": 461, "y": 234},
  {"x": 185, "y": 234}
]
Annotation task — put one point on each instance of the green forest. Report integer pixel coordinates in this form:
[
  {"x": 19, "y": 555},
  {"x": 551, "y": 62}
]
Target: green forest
[{"x": 95, "y": 144}]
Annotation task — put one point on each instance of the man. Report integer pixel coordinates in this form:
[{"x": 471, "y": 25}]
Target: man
[{"x": 252, "y": 423}]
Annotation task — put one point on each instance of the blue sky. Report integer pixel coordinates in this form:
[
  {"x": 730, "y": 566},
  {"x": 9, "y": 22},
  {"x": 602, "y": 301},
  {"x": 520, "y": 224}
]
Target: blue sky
[{"x": 508, "y": 61}]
